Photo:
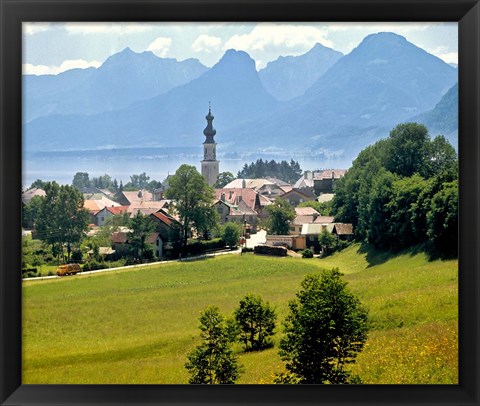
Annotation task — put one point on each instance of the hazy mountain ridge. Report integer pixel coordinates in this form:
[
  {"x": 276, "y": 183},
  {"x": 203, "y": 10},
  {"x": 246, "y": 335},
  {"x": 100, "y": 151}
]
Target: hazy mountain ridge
[
  {"x": 175, "y": 118},
  {"x": 384, "y": 81},
  {"x": 122, "y": 79},
  {"x": 290, "y": 76},
  {"x": 443, "y": 118}
]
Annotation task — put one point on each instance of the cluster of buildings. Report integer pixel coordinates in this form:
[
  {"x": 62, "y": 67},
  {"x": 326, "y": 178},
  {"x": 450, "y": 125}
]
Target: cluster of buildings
[{"x": 243, "y": 201}]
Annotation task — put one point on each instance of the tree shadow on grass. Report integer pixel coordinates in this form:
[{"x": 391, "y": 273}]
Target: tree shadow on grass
[{"x": 375, "y": 256}]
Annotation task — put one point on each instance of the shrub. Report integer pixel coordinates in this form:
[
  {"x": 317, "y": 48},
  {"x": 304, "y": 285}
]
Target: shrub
[
  {"x": 231, "y": 234},
  {"x": 256, "y": 323},
  {"x": 94, "y": 265},
  {"x": 307, "y": 253},
  {"x": 270, "y": 250},
  {"x": 76, "y": 256}
]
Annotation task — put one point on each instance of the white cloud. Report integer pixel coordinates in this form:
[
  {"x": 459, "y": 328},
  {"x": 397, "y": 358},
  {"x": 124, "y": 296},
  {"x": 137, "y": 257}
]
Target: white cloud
[
  {"x": 107, "y": 28},
  {"x": 29, "y": 69},
  {"x": 160, "y": 46},
  {"x": 449, "y": 57},
  {"x": 34, "y": 28},
  {"x": 285, "y": 39},
  {"x": 207, "y": 43}
]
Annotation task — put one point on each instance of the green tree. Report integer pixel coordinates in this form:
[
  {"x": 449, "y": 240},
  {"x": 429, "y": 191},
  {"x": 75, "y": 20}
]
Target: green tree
[
  {"x": 38, "y": 184},
  {"x": 256, "y": 322},
  {"x": 223, "y": 179},
  {"x": 206, "y": 220},
  {"x": 280, "y": 215},
  {"x": 30, "y": 212},
  {"x": 374, "y": 214},
  {"x": 324, "y": 331},
  {"x": 231, "y": 233},
  {"x": 81, "y": 180},
  {"x": 138, "y": 182},
  {"x": 401, "y": 228},
  {"x": 442, "y": 220},
  {"x": 409, "y": 149},
  {"x": 102, "y": 182},
  {"x": 142, "y": 226},
  {"x": 327, "y": 242},
  {"x": 62, "y": 220},
  {"x": 191, "y": 197},
  {"x": 442, "y": 158},
  {"x": 213, "y": 361}
]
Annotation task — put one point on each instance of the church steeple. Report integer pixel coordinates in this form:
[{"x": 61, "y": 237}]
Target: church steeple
[
  {"x": 209, "y": 131},
  {"x": 210, "y": 165}
]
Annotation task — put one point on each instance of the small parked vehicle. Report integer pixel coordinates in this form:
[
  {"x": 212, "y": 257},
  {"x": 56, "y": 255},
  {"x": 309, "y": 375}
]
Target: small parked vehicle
[{"x": 68, "y": 269}]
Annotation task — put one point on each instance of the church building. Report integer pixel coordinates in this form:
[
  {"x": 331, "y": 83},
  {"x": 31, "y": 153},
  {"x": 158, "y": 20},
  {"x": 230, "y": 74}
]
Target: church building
[{"x": 210, "y": 165}]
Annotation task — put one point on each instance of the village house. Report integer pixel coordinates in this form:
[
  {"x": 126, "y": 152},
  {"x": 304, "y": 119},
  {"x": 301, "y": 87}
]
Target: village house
[
  {"x": 240, "y": 213},
  {"x": 163, "y": 224},
  {"x": 95, "y": 205},
  {"x": 321, "y": 181},
  {"x": 235, "y": 195},
  {"x": 28, "y": 195},
  {"x": 304, "y": 215},
  {"x": 343, "y": 231},
  {"x": 269, "y": 187},
  {"x": 127, "y": 198},
  {"x": 147, "y": 207},
  {"x": 108, "y": 212},
  {"x": 122, "y": 246},
  {"x": 296, "y": 196}
]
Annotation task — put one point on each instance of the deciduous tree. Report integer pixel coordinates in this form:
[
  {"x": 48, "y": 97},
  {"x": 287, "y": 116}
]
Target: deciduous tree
[
  {"x": 191, "y": 197},
  {"x": 280, "y": 215},
  {"x": 324, "y": 331},
  {"x": 62, "y": 220},
  {"x": 256, "y": 322},
  {"x": 213, "y": 361}
]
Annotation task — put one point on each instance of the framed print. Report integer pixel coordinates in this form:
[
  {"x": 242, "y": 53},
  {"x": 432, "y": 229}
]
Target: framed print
[{"x": 278, "y": 198}]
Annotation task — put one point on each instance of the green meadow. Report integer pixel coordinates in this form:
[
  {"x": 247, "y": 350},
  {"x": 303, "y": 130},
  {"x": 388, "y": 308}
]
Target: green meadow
[{"x": 137, "y": 325}]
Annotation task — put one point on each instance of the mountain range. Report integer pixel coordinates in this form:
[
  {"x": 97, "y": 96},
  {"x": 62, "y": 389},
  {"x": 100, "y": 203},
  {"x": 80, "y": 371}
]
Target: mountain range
[
  {"x": 124, "y": 78},
  {"x": 342, "y": 105},
  {"x": 290, "y": 76}
]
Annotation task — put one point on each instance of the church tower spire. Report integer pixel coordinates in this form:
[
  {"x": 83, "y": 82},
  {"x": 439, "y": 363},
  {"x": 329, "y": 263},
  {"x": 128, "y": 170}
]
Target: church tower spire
[{"x": 210, "y": 165}]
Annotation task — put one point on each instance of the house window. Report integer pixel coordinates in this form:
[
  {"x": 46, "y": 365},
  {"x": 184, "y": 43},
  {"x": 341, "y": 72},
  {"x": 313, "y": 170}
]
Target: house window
[
  {"x": 292, "y": 228},
  {"x": 157, "y": 242},
  {"x": 102, "y": 218}
]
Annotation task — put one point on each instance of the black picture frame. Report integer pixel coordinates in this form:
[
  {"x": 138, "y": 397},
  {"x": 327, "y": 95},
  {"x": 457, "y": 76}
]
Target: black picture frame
[{"x": 14, "y": 12}]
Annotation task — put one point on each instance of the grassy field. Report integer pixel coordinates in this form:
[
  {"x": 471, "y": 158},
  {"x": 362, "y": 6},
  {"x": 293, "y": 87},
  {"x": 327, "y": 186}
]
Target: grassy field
[{"x": 136, "y": 326}]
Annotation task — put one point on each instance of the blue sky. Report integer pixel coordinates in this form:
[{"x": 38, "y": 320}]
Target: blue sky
[{"x": 51, "y": 48}]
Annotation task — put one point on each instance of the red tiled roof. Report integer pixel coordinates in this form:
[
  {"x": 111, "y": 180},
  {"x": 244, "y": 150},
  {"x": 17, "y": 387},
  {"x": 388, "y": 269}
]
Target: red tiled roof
[
  {"x": 117, "y": 210},
  {"x": 163, "y": 217},
  {"x": 234, "y": 196}
]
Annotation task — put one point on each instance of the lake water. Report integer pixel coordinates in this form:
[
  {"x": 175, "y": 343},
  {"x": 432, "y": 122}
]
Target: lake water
[{"x": 120, "y": 165}]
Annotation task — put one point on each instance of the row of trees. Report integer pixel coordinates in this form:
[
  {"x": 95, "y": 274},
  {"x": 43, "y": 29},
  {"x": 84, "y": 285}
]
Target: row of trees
[
  {"x": 137, "y": 181},
  {"x": 403, "y": 191},
  {"x": 325, "y": 329},
  {"x": 288, "y": 172}
]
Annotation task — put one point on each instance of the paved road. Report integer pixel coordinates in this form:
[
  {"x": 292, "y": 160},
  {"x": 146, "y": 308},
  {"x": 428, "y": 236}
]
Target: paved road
[
  {"x": 256, "y": 239},
  {"x": 40, "y": 278}
]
